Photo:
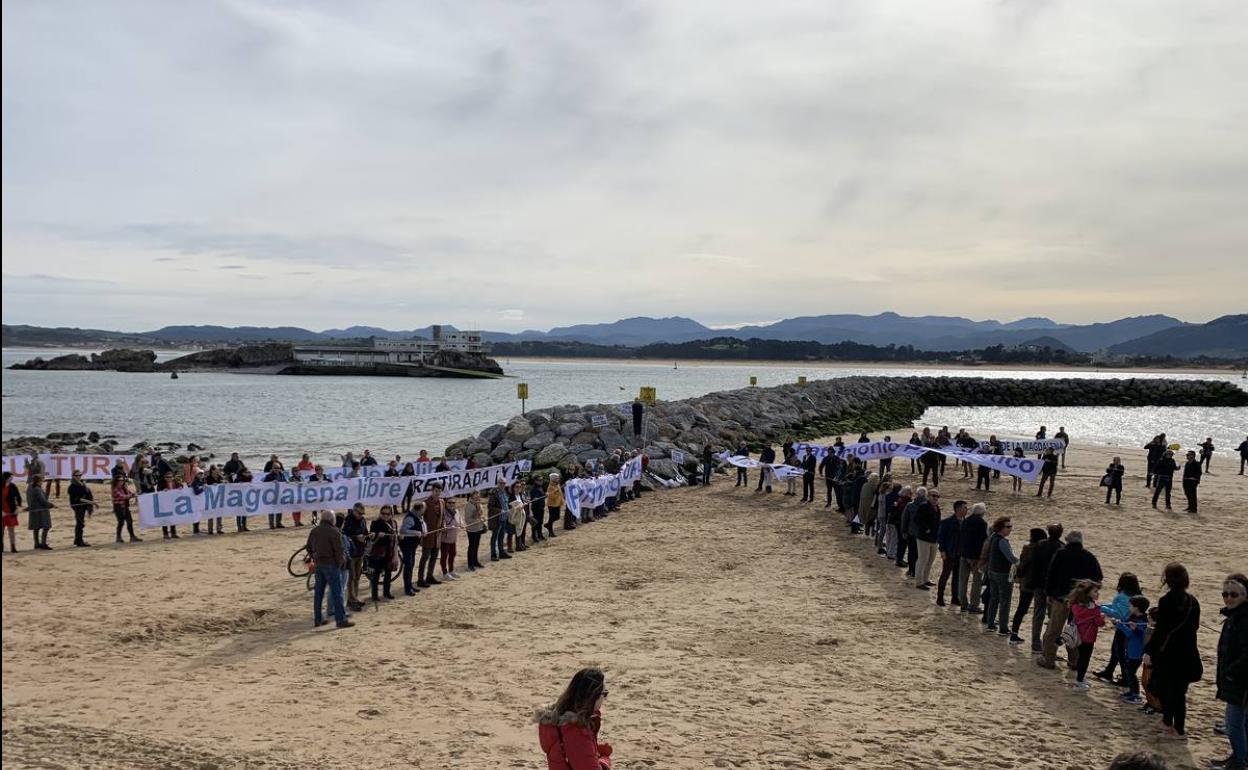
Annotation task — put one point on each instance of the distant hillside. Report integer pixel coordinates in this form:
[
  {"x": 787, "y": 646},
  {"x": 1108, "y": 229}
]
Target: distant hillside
[
  {"x": 232, "y": 334},
  {"x": 633, "y": 331},
  {"x": 42, "y": 336},
  {"x": 1225, "y": 337}
]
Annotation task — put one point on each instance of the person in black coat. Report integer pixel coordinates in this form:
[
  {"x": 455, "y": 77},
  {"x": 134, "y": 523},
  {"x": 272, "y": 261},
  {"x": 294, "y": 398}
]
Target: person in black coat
[
  {"x": 971, "y": 543},
  {"x": 1172, "y": 650},
  {"x": 1037, "y": 574},
  {"x": 1243, "y": 455},
  {"x": 1191, "y": 480},
  {"x": 1069, "y": 565},
  {"x": 809, "y": 466},
  {"x": 830, "y": 467},
  {"x": 708, "y": 461},
  {"x": 1114, "y": 474},
  {"x": 766, "y": 457},
  {"x": 1163, "y": 477},
  {"x": 82, "y": 502},
  {"x": 1156, "y": 448},
  {"x": 639, "y": 412},
  {"x": 743, "y": 476},
  {"x": 1232, "y": 676}
]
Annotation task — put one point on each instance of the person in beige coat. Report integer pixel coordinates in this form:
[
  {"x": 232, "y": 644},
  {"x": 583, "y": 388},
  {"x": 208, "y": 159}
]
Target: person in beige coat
[{"x": 435, "y": 513}]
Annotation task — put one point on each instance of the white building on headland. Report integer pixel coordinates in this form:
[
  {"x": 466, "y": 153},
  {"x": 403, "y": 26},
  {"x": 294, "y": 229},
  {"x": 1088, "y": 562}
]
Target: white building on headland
[{"x": 388, "y": 351}]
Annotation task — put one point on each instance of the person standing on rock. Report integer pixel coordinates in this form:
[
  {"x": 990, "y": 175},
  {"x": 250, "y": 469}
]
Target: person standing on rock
[
  {"x": 743, "y": 477},
  {"x": 1163, "y": 477},
  {"x": 639, "y": 412},
  {"x": 809, "y": 466},
  {"x": 83, "y": 503},
  {"x": 39, "y": 512},
  {"x": 1191, "y": 480},
  {"x": 11, "y": 500}
]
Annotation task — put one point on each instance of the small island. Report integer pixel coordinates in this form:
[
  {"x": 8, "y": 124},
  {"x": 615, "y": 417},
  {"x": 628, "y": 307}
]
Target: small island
[{"x": 450, "y": 354}]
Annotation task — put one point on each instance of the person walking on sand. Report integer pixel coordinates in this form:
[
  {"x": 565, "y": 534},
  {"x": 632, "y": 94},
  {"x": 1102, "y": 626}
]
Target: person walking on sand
[
  {"x": 1112, "y": 481},
  {"x": 11, "y": 500},
  {"x": 1172, "y": 651},
  {"x": 1232, "y": 670},
  {"x": 82, "y": 502},
  {"x": 39, "y": 512},
  {"x": 1191, "y": 480},
  {"x": 809, "y": 466},
  {"x": 1163, "y": 477},
  {"x": 325, "y": 549},
  {"x": 1048, "y": 471},
  {"x": 568, "y": 730}
]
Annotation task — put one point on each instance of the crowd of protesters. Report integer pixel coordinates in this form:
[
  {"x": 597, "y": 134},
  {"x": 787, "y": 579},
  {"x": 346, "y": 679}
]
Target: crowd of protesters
[{"x": 1058, "y": 581}]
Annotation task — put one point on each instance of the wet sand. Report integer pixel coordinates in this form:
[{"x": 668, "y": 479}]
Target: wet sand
[{"x": 737, "y": 630}]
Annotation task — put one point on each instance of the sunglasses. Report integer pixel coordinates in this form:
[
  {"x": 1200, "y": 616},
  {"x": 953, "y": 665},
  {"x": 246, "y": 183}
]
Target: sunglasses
[{"x": 1229, "y": 594}]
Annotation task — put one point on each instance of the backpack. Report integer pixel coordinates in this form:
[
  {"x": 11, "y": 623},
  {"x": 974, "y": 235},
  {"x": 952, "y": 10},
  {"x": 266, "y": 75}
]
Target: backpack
[{"x": 1070, "y": 634}]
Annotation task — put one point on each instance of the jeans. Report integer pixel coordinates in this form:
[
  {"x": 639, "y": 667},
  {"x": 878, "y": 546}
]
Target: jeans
[
  {"x": 983, "y": 477},
  {"x": 328, "y": 577},
  {"x": 912, "y": 554},
  {"x": 948, "y": 573},
  {"x": 1024, "y": 604},
  {"x": 1160, "y": 483},
  {"x": 380, "y": 573},
  {"x": 124, "y": 519},
  {"x": 474, "y": 545},
  {"x": 968, "y": 574},
  {"x": 407, "y": 553},
  {"x": 1049, "y": 477},
  {"x": 1038, "y": 612},
  {"x": 999, "y": 600},
  {"x": 1237, "y": 729},
  {"x": 1129, "y": 678},
  {"x": 706, "y": 474},
  {"x": 80, "y": 521},
  {"x": 353, "y": 582},
  {"x": 496, "y": 541},
  {"x": 428, "y": 556},
  {"x": 743, "y": 478},
  {"x": 808, "y": 488},
  {"x": 1117, "y": 657}
]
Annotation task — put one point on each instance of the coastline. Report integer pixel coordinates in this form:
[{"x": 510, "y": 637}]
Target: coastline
[{"x": 918, "y": 366}]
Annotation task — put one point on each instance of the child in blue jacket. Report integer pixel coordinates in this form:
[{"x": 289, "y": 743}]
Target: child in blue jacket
[{"x": 1133, "y": 629}]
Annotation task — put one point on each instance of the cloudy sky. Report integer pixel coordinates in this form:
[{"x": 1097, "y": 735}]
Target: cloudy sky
[{"x": 523, "y": 165}]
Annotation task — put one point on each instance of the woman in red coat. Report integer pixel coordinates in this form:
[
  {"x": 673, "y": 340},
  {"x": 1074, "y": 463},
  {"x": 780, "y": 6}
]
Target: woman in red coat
[{"x": 568, "y": 730}]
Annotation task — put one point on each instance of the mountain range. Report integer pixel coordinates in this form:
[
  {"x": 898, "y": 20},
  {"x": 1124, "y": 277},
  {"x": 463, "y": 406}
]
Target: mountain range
[{"x": 1158, "y": 335}]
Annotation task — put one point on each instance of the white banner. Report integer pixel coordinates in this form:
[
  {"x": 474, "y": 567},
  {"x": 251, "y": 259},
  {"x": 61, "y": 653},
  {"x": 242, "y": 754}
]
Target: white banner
[
  {"x": 1023, "y": 467},
  {"x": 583, "y": 494},
  {"x": 379, "y": 471},
  {"x": 778, "y": 470},
  {"x": 1027, "y": 446},
  {"x": 62, "y": 465},
  {"x": 184, "y": 506},
  {"x": 678, "y": 457}
]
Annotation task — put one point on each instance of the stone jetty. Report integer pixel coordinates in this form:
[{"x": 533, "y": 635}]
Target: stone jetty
[{"x": 564, "y": 436}]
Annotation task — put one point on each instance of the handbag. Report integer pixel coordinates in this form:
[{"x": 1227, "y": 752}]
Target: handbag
[
  {"x": 1106, "y": 480},
  {"x": 1070, "y": 634}
]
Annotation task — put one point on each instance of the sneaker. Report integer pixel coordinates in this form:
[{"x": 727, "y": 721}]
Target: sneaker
[
  {"x": 1129, "y": 698},
  {"x": 1016, "y": 639},
  {"x": 344, "y": 624},
  {"x": 990, "y": 627},
  {"x": 1228, "y": 763},
  {"x": 454, "y": 576},
  {"x": 1081, "y": 686},
  {"x": 1104, "y": 676}
]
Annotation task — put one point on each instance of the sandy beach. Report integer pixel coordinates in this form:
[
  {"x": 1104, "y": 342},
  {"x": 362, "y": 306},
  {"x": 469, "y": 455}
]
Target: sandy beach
[{"x": 737, "y": 630}]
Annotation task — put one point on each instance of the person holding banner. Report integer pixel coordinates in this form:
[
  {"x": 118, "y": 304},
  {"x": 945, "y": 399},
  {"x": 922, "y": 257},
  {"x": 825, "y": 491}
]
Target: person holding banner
[
  {"x": 356, "y": 531},
  {"x": 743, "y": 478},
  {"x": 122, "y": 494},
  {"x": 498, "y": 508},
  {"x": 474, "y": 525},
  {"x": 435, "y": 514},
  {"x": 82, "y": 502},
  {"x": 766, "y": 457},
  {"x": 1061, "y": 434},
  {"x": 833, "y": 468},
  {"x": 328, "y": 558},
  {"x": 411, "y": 530},
  {"x": 809, "y": 466},
  {"x": 1048, "y": 471},
  {"x": 381, "y": 553},
  {"x": 39, "y": 512},
  {"x": 11, "y": 500},
  {"x": 518, "y": 518}
]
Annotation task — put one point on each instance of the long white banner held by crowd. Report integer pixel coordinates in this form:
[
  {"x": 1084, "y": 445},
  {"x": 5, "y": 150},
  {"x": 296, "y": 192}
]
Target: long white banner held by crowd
[
  {"x": 1023, "y": 467},
  {"x": 184, "y": 506},
  {"x": 587, "y": 494},
  {"x": 778, "y": 470},
  {"x": 1038, "y": 445},
  {"x": 62, "y": 466}
]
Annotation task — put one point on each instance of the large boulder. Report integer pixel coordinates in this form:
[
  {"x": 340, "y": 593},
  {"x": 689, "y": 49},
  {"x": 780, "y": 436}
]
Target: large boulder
[
  {"x": 665, "y": 469},
  {"x": 568, "y": 428},
  {"x": 519, "y": 430},
  {"x": 540, "y": 440},
  {"x": 591, "y": 454},
  {"x": 550, "y": 455},
  {"x": 492, "y": 434},
  {"x": 504, "y": 450}
]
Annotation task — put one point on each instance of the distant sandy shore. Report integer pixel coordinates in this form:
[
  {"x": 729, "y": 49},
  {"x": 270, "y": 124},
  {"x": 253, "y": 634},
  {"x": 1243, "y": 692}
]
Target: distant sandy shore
[
  {"x": 917, "y": 367},
  {"x": 737, "y": 629}
]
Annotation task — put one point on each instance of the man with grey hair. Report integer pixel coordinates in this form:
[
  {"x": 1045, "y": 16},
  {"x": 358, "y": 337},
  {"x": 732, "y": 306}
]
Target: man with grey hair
[
  {"x": 325, "y": 549},
  {"x": 1070, "y": 565},
  {"x": 970, "y": 571}
]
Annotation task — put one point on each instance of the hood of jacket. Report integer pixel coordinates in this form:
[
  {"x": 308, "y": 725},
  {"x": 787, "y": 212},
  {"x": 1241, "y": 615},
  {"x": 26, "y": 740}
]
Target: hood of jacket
[{"x": 547, "y": 716}]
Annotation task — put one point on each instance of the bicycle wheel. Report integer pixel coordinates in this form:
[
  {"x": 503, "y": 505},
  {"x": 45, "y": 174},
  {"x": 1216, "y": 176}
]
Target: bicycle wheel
[
  {"x": 297, "y": 566},
  {"x": 311, "y": 582}
]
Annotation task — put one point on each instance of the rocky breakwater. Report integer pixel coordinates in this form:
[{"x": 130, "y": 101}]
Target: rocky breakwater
[
  {"x": 117, "y": 360},
  {"x": 566, "y": 436},
  {"x": 79, "y": 442}
]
